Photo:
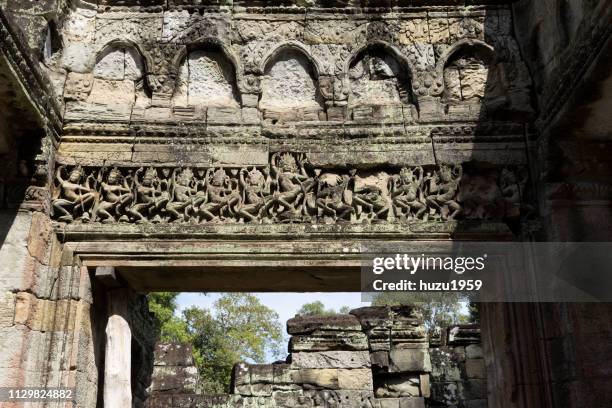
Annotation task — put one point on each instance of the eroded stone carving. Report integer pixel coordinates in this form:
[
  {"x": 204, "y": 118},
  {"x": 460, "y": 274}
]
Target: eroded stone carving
[
  {"x": 379, "y": 85},
  {"x": 118, "y": 76},
  {"x": 494, "y": 196},
  {"x": 290, "y": 89},
  {"x": 465, "y": 77},
  {"x": 206, "y": 78},
  {"x": 289, "y": 189}
]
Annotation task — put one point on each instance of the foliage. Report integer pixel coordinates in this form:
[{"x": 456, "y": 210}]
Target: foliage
[
  {"x": 439, "y": 309},
  {"x": 169, "y": 326},
  {"x": 252, "y": 328},
  {"x": 237, "y": 328},
  {"x": 318, "y": 308},
  {"x": 213, "y": 357}
]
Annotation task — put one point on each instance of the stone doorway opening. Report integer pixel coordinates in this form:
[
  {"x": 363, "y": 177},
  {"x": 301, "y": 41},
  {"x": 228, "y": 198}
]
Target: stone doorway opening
[{"x": 363, "y": 357}]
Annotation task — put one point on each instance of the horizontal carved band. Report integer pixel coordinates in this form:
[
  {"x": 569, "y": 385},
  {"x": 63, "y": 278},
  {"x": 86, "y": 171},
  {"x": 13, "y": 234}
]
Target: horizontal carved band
[{"x": 289, "y": 189}]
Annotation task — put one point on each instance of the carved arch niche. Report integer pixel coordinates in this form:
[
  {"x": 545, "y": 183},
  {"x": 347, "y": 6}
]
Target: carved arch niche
[
  {"x": 472, "y": 82},
  {"x": 380, "y": 86},
  {"x": 118, "y": 90},
  {"x": 290, "y": 90},
  {"x": 206, "y": 79}
]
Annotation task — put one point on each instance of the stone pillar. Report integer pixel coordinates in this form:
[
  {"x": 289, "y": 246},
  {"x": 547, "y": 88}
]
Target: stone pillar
[
  {"x": 118, "y": 352},
  {"x": 117, "y": 370}
]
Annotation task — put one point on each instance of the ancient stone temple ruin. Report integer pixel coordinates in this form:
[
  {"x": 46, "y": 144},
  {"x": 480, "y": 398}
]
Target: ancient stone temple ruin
[
  {"x": 375, "y": 357},
  {"x": 199, "y": 145}
]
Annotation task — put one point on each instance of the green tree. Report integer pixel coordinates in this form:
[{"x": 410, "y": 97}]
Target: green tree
[
  {"x": 252, "y": 328},
  {"x": 214, "y": 358},
  {"x": 318, "y": 308},
  {"x": 439, "y": 309},
  {"x": 169, "y": 326},
  {"x": 238, "y": 328}
]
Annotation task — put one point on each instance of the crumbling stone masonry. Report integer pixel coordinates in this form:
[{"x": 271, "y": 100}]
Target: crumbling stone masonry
[
  {"x": 374, "y": 357},
  {"x": 458, "y": 376}
]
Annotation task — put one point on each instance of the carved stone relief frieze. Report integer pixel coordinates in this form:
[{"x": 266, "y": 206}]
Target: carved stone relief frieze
[{"x": 288, "y": 189}]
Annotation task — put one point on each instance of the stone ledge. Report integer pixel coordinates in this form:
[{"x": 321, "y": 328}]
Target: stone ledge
[{"x": 435, "y": 230}]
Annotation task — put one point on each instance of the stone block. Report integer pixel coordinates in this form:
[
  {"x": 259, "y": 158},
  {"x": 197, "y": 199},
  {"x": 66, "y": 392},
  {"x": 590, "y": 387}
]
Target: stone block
[
  {"x": 463, "y": 335},
  {"x": 331, "y": 359},
  {"x": 389, "y": 403},
  {"x": 363, "y": 113},
  {"x": 173, "y": 354},
  {"x": 39, "y": 237},
  {"x": 222, "y": 115},
  {"x": 430, "y": 109},
  {"x": 244, "y": 389},
  {"x": 241, "y": 374},
  {"x": 308, "y": 324},
  {"x": 410, "y": 113},
  {"x": 250, "y": 116},
  {"x": 387, "y": 113},
  {"x": 158, "y": 113},
  {"x": 25, "y": 307},
  {"x": 274, "y": 115},
  {"x": 475, "y": 368},
  {"x": 391, "y": 386},
  {"x": 324, "y": 377},
  {"x": 383, "y": 316},
  {"x": 250, "y": 100},
  {"x": 13, "y": 251},
  {"x": 173, "y": 379},
  {"x": 355, "y": 379},
  {"x": 183, "y": 112},
  {"x": 336, "y": 113},
  {"x": 474, "y": 351},
  {"x": 159, "y": 401},
  {"x": 472, "y": 389},
  {"x": 7, "y": 309},
  {"x": 412, "y": 402},
  {"x": 409, "y": 360},
  {"x": 380, "y": 360},
  {"x": 287, "y": 398},
  {"x": 355, "y": 398},
  {"x": 261, "y": 373},
  {"x": 329, "y": 341},
  {"x": 281, "y": 373},
  {"x": 164, "y": 100},
  {"x": 425, "y": 385},
  {"x": 253, "y": 155},
  {"x": 78, "y": 86},
  {"x": 261, "y": 390}
]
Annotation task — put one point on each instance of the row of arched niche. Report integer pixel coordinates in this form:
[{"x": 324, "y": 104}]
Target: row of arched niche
[{"x": 207, "y": 77}]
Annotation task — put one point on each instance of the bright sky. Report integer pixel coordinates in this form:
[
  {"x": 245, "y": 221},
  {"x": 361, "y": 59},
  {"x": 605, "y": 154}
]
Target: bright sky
[{"x": 285, "y": 304}]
